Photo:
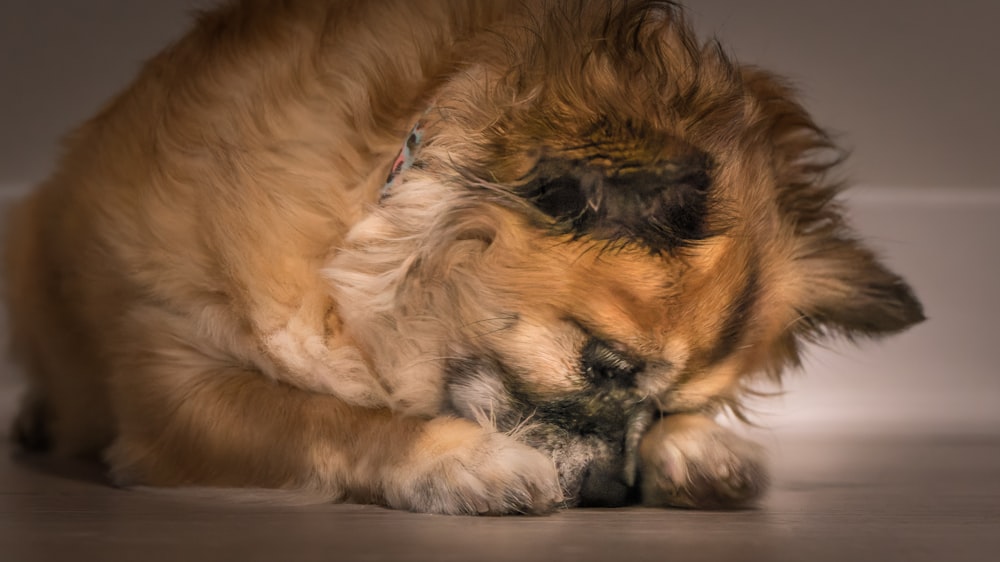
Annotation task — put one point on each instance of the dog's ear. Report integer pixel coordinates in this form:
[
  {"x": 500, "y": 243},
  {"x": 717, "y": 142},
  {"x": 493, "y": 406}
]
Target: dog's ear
[{"x": 844, "y": 288}]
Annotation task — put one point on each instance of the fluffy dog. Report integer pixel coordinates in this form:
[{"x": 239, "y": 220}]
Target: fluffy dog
[{"x": 598, "y": 233}]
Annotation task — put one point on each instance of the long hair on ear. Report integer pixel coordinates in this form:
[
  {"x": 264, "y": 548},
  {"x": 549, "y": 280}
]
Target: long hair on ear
[{"x": 851, "y": 293}]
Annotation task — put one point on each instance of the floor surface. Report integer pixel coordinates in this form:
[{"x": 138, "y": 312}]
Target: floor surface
[{"x": 853, "y": 499}]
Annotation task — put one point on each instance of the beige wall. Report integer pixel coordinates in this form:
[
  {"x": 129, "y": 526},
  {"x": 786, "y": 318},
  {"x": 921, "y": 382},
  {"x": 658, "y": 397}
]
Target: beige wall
[{"x": 913, "y": 86}]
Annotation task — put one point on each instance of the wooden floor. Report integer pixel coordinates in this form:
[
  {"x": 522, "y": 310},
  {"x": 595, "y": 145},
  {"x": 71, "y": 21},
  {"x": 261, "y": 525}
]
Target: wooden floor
[{"x": 847, "y": 499}]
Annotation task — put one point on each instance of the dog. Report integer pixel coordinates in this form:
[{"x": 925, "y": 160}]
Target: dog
[{"x": 597, "y": 234}]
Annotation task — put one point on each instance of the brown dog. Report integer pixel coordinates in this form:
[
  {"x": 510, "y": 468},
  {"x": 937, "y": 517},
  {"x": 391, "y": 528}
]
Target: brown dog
[{"x": 597, "y": 234}]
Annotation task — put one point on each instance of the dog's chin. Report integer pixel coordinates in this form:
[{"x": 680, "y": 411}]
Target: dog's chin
[
  {"x": 592, "y": 471},
  {"x": 591, "y": 434}
]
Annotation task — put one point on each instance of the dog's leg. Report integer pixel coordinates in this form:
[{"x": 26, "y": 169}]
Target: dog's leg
[
  {"x": 688, "y": 460},
  {"x": 187, "y": 424}
]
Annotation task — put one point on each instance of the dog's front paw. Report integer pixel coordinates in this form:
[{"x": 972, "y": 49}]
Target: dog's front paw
[
  {"x": 690, "y": 461},
  {"x": 458, "y": 467}
]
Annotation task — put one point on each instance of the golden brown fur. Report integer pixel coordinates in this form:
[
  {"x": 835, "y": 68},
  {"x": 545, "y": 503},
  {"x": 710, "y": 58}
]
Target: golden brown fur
[{"x": 209, "y": 291}]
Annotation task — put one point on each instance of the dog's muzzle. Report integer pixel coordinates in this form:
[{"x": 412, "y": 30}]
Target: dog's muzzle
[
  {"x": 591, "y": 434},
  {"x": 596, "y": 469}
]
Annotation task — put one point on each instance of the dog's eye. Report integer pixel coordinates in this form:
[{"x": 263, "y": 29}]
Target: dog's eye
[{"x": 603, "y": 364}]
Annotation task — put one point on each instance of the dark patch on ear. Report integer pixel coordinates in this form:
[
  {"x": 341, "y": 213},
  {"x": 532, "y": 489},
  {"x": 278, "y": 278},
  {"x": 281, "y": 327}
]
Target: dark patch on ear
[
  {"x": 879, "y": 307},
  {"x": 855, "y": 295},
  {"x": 661, "y": 206}
]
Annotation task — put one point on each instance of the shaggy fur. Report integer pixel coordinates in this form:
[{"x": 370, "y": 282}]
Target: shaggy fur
[{"x": 608, "y": 229}]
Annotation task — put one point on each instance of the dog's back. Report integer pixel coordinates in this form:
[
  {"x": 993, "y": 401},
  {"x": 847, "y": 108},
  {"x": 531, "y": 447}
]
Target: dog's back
[{"x": 138, "y": 216}]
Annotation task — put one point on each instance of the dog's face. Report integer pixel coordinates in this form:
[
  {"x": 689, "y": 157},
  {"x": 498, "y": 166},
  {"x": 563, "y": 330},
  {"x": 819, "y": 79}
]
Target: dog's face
[{"x": 606, "y": 222}]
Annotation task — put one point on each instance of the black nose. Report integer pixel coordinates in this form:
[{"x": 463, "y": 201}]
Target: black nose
[{"x": 603, "y": 486}]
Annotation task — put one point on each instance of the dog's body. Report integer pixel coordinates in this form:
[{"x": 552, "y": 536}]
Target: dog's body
[{"x": 598, "y": 233}]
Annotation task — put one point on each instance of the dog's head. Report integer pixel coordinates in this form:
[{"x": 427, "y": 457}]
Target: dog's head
[{"x": 606, "y": 221}]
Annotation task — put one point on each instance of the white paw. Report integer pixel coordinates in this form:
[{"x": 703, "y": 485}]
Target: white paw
[
  {"x": 460, "y": 468},
  {"x": 690, "y": 461}
]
